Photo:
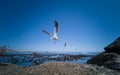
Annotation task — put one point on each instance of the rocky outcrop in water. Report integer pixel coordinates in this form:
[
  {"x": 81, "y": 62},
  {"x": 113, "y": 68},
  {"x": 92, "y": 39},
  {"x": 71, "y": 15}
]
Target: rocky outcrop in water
[{"x": 110, "y": 58}]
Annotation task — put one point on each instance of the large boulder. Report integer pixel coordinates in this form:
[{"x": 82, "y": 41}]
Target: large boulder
[
  {"x": 110, "y": 58},
  {"x": 62, "y": 68},
  {"x": 114, "y": 47}
]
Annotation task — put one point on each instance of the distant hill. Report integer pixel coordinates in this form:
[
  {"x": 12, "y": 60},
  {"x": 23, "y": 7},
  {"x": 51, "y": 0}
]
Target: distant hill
[{"x": 5, "y": 49}]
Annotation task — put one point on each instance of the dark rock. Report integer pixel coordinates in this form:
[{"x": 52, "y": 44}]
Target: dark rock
[
  {"x": 113, "y": 47},
  {"x": 4, "y": 64},
  {"x": 109, "y": 60}
]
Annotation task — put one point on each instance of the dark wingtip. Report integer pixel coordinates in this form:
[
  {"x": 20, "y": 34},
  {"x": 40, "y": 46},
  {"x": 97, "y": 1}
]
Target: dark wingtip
[{"x": 56, "y": 21}]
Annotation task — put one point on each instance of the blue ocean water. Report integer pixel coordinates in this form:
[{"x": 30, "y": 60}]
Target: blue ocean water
[{"x": 28, "y": 59}]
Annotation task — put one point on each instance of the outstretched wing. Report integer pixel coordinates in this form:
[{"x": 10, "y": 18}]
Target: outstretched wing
[
  {"x": 50, "y": 35},
  {"x": 55, "y": 28}
]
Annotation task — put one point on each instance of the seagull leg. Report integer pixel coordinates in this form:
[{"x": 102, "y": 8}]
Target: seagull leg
[{"x": 54, "y": 42}]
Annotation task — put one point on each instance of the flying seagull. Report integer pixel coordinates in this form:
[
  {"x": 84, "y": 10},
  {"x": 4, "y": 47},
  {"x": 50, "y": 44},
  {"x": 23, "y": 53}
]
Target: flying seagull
[
  {"x": 65, "y": 45},
  {"x": 55, "y": 35}
]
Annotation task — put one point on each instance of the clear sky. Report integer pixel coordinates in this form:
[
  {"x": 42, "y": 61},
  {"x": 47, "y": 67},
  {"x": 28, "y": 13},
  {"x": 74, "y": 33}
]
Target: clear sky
[{"x": 85, "y": 25}]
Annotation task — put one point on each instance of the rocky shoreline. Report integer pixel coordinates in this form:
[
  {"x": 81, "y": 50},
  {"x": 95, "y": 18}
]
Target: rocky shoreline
[
  {"x": 57, "y": 68},
  {"x": 105, "y": 63}
]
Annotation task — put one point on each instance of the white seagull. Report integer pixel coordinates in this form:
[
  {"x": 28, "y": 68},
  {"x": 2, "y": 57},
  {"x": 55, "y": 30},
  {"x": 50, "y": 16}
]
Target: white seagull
[{"x": 55, "y": 35}]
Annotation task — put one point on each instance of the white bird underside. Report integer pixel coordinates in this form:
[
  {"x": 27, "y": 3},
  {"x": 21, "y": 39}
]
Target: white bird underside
[{"x": 55, "y": 35}]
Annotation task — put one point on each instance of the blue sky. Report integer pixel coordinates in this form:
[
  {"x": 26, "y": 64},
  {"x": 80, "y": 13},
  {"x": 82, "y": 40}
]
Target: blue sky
[{"x": 87, "y": 25}]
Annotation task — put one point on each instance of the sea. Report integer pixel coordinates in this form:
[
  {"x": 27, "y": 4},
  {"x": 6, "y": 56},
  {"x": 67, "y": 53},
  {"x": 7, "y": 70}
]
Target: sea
[{"x": 25, "y": 59}]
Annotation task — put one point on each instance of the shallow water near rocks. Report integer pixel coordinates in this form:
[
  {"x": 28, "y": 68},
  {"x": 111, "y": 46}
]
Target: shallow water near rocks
[{"x": 22, "y": 59}]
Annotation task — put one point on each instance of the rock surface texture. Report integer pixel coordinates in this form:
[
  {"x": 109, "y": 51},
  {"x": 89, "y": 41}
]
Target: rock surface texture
[
  {"x": 110, "y": 58},
  {"x": 57, "y": 68},
  {"x": 114, "y": 47}
]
